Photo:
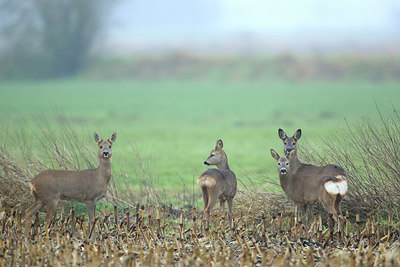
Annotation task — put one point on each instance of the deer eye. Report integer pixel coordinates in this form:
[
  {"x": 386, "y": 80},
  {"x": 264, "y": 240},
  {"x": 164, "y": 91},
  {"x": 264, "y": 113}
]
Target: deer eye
[
  {"x": 287, "y": 163},
  {"x": 109, "y": 147},
  {"x": 285, "y": 143},
  {"x": 101, "y": 146},
  {"x": 279, "y": 164},
  {"x": 294, "y": 143}
]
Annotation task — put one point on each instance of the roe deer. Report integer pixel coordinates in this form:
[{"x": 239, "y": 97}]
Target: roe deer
[
  {"x": 300, "y": 169},
  {"x": 87, "y": 186},
  {"x": 307, "y": 184},
  {"x": 217, "y": 183}
]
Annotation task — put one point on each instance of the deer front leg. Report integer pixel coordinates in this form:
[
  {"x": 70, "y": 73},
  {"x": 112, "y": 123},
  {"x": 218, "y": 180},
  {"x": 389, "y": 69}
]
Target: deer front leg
[
  {"x": 230, "y": 204},
  {"x": 91, "y": 207},
  {"x": 300, "y": 212},
  {"x": 222, "y": 206},
  {"x": 51, "y": 207}
]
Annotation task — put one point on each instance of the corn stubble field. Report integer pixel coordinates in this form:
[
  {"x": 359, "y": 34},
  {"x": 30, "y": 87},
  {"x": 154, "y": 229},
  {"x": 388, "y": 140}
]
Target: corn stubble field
[{"x": 157, "y": 235}]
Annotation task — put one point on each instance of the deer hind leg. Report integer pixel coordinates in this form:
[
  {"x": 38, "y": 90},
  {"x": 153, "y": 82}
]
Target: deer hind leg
[
  {"x": 328, "y": 202},
  {"x": 337, "y": 206},
  {"x": 212, "y": 200},
  {"x": 30, "y": 211},
  {"x": 205, "y": 196},
  {"x": 205, "y": 199}
]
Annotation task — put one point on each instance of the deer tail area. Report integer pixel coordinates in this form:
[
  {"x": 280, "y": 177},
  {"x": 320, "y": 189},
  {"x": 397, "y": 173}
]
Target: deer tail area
[
  {"x": 206, "y": 181},
  {"x": 336, "y": 186},
  {"x": 33, "y": 190}
]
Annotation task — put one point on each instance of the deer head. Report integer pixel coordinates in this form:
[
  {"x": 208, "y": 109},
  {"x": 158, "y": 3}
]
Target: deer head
[
  {"x": 282, "y": 162},
  {"x": 290, "y": 143},
  {"x": 217, "y": 154},
  {"x": 104, "y": 151}
]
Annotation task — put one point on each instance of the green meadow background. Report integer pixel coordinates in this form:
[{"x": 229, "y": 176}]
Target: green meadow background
[
  {"x": 174, "y": 123},
  {"x": 172, "y": 78}
]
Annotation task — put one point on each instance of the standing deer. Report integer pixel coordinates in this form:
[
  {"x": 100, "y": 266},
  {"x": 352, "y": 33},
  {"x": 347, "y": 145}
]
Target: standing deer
[
  {"x": 217, "y": 183},
  {"x": 87, "y": 186},
  {"x": 311, "y": 186},
  {"x": 289, "y": 144},
  {"x": 305, "y": 176}
]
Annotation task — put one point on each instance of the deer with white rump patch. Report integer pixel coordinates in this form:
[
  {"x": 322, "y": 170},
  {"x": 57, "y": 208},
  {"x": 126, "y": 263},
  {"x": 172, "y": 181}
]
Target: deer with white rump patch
[
  {"x": 306, "y": 184},
  {"x": 217, "y": 183},
  {"x": 310, "y": 187},
  {"x": 87, "y": 186}
]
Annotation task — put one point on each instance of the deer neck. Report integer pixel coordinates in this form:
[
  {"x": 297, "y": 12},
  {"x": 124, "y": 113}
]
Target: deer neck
[
  {"x": 285, "y": 181},
  {"x": 104, "y": 169},
  {"x": 223, "y": 165},
  {"x": 295, "y": 164}
]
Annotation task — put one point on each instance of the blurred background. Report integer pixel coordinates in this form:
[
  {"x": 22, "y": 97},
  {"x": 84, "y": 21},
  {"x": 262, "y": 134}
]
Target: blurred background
[
  {"x": 194, "y": 39},
  {"x": 172, "y": 77}
]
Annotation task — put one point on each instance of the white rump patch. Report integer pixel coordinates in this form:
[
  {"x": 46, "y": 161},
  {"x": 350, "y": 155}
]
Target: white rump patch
[
  {"x": 336, "y": 187},
  {"x": 206, "y": 181},
  {"x": 340, "y": 177}
]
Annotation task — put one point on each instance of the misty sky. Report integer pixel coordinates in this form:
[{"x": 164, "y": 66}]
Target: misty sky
[{"x": 166, "y": 20}]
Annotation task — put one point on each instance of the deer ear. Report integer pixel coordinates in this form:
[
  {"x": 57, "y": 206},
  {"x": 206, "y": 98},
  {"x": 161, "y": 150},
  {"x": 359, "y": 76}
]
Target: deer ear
[
  {"x": 219, "y": 144},
  {"x": 274, "y": 154},
  {"x": 297, "y": 134},
  {"x": 281, "y": 133},
  {"x": 97, "y": 138},
  {"x": 112, "y": 138}
]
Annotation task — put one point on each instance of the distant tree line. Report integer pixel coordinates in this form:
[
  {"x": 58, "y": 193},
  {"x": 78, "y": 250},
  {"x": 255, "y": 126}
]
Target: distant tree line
[{"x": 47, "y": 38}]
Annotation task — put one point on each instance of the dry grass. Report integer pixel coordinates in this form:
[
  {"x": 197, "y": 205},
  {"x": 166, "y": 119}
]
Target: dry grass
[
  {"x": 370, "y": 152},
  {"x": 154, "y": 236},
  {"x": 68, "y": 151}
]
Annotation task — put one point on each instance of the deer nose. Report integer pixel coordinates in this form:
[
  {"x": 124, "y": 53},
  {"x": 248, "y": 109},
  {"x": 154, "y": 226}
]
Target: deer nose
[
  {"x": 206, "y": 163},
  {"x": 283, "y": 171},
  {"x": 106, "y": 153}
]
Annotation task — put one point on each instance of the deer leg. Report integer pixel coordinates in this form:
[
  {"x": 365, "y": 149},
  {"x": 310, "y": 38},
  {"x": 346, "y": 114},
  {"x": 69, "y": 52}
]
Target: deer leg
[
  {"x": 51, "y": 207},
  {"x": 212, "y": 200},
  {"x": 91, "y": 210},
  {"x": 311, "y": 211},
  {"x": 230, "y": 203},
  {"x": 222, "y": 205},
  {"x": 30, "y": 211},
  {"x": 300, "y": 211},
  {"x": 337, "y": 205},
  {"x": 205, "y": 198},
  {"x": 329, "y": 205}
]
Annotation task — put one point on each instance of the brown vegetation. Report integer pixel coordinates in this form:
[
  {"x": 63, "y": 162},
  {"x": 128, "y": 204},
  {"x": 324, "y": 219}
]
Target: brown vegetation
[
  {"x": 147, "y": 236},
  {"x": 250, "y": 68}
]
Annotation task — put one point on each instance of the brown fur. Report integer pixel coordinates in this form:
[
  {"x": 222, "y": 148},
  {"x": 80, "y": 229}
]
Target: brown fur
[
  {"x": 300, "y": 169},
  {"x": 217, "y": 184},
  {"x": 87, "y": 186},
  {"x": 304, "y": 184}
]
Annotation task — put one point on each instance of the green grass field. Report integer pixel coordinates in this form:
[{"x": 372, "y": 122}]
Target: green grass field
[{"x": 174, "y": 124}]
